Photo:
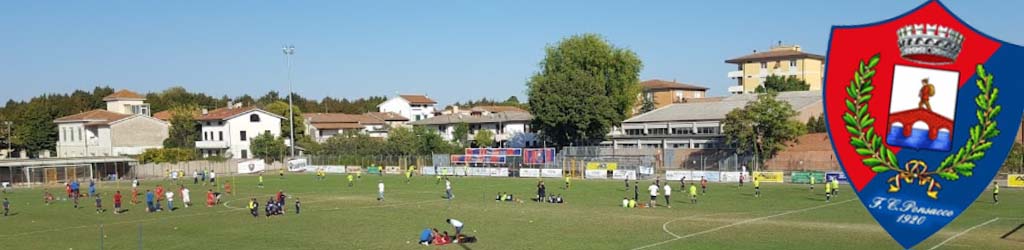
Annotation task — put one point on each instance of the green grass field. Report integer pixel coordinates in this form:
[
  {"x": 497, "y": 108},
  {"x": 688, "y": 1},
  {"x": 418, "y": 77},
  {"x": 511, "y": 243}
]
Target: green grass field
[{"x": 338, "y": 217}]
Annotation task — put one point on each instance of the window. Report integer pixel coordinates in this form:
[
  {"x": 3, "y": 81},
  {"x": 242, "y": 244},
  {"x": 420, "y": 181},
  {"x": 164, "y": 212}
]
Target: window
[
  {"x": 241, "y": 136},
  {"x": 80, "y": 134},
  {"x": 658, "y": 131},
  {"x": 501, "y": 129},
  {"x": 245, "y": 154},
  {"x": 254, "y": 118},
  {"x": 707, "y": 130},
  {"x": 206, "y": 136},
  {"x": 682, "y": 131},
  {"x": 442, "y": 128},
  {"x": 634, "y": 131},
  {"x": 417, "y": 117},
  {"x": 221, "y": 135},
  {"x": 792, "y": 64},
  {"x": 220, "y": 123},
  {"x": 764, "y": 65},
  {"x": 266, "y": 131}
]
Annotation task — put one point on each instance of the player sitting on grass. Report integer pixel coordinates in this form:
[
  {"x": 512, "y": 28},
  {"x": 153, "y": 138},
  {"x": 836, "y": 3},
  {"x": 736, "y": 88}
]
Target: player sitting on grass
[
  {"x": 254, "y": 208},
  {"x": 625, "y": 201},
  {"x": 47, "y": 198},
  {"x": 426, "y": 236}
]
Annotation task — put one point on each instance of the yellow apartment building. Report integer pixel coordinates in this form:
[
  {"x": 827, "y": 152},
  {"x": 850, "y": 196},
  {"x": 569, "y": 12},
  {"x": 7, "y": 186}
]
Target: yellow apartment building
[{"x": 781, "y": 60}]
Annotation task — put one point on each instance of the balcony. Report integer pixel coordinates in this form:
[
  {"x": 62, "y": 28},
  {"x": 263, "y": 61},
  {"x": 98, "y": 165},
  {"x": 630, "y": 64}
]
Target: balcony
[
  {"x": 735, "y": 74},
  {"x": 212, "y": 144},
  {"x": 736, "y": 89}
]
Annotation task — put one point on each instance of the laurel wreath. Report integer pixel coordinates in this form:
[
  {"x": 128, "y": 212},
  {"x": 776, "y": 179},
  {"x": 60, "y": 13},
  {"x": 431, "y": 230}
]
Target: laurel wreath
[{"x": 881, "y": 159}]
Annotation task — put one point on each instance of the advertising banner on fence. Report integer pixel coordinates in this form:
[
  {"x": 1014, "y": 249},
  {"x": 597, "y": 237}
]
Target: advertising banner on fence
[
  {"x": 495, "y": 151},
  {"x": 297, "y": 165},
  {"x": 730, "y": 177},
  {"x": 429, "y": 170},
  {"x": 491, "y": 159},
  {"x": 805, "y": 177},
  {"x": 500, "y": 172},
  {"x": 834, "y": 175},
  {"x": 529, "y": 172},
  {"x": 333, "y": 169},
  {"x": 596, "y": 174},
  {"x": 624, "y": 174},
  {"x": 353, "y": 169},
  {"x": 253, "y": 166},
  {"x": 538, "y": 156},
  {"x": 459, "y": 171},
  {"x": 445, "y": 170},
  {"x": 712, "y": 176},
  {"x": 675, "y": 175},
  {"x": 392, "y": 170},
  {"x": 1015, "y": 180},
  {"x": 778, "y": 177},
  {"x": 551, "y": 173},
  {"x": 479, "y": 172}
]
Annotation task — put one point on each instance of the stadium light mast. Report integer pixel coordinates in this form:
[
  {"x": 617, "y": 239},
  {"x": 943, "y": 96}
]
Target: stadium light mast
[{"x": 289, "y": 50}]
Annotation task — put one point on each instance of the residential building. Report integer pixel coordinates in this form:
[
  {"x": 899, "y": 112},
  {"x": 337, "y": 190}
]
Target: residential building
[
  {"x": 781, "y": 60},
  {"x": 510, "y": 128},
  {"x": 698, "y": 125},
  {"x": 321, "y": 126},
  {"x": 414, "y": 107},
  {"x": 665, "y": 93},
  {"x": 124, "y": 128},
  {"x": 228, "y": 131},
  {"x": 390, "y": 119}
]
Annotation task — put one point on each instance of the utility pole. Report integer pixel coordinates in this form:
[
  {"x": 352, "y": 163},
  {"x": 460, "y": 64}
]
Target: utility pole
[{"x": 288, "y": 52}]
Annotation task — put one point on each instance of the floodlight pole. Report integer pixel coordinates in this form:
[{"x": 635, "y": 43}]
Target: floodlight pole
[{"x": 288, "y": 52}]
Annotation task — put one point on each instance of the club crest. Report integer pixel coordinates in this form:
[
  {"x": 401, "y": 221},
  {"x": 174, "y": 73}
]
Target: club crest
[{"x": 921, "y": 112}]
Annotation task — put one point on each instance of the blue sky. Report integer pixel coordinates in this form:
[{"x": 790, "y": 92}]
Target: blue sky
[{"x": 449, "y": 50}]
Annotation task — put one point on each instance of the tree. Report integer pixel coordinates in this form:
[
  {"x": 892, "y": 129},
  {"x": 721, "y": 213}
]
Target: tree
[
  {"x": 816, "y": 124},
  {"x": 281, "y": 108},
  {"x": 460, "y": 133},
  {"x": 484, "y": 138},
  {"x": 267, "y": 147},
  {"x": 584, "y": 87},
  {"x": 184, "y": 131},
  {"x": 511, "y": 101},
  {"x": 649, "y": 105},
  {"x": 762, "y": 127},
  {"x": 776, "y": 83},
  {"x": 401, "y": 141},
  {"x": 34, "y": 129},
  {"x": 1015, "y": 160}
]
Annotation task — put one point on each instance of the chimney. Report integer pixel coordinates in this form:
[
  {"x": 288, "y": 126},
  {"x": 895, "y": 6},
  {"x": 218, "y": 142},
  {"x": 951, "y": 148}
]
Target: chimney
[
  {"x": 230, "y": 105},
  {"x": 205, "y": 111}
]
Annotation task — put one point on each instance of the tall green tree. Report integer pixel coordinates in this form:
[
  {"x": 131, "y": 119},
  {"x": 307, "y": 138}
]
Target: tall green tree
[
  {"x": 402, "y": 141},
  {"x": 269, "y": 148},
  {"x": 816, "y": 124},
  {"x": 648, "y": 105},
  {"x": 1015, "y": 160},
  {"x": 184, "y": 131},
  {"x": 584, "y": 87},
  {"x": 762, "y": 128},
  {"x": 281, "y": 108},
  {"x": 461, "y": 133},
  {"x": 34, "y": 129},
  {"x": 484, "y": 138},
  {"x": 774, "y": 83}
]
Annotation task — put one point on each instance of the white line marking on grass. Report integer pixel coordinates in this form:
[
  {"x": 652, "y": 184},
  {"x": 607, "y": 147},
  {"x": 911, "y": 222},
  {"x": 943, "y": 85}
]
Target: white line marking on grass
[
  {"x": 963, "y": 232},
  {"x": 664, "y": 227},
  {"x": 740, "y": 223}
]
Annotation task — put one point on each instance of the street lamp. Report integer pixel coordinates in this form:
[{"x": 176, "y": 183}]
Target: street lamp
[{"x": 289, "y": 50}]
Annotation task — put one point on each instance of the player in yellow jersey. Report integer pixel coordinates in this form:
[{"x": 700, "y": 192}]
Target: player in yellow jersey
[
  {"x": 995, "y": 192},
  {"x": 693, "y": 194},
  {"x": 828, "y": 192},
  {"x": 757, "y": 187}
]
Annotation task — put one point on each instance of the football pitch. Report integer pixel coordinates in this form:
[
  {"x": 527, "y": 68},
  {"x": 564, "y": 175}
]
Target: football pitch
[{"x": 335, "y": 216}]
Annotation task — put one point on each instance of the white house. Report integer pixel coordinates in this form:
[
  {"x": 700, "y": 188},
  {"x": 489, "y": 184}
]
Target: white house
[
  {"x": 414, "y": 107},
  {"x": 510, "y": 128},
  {"x": 228, "y": 131},
  {"x": 124, "y": 128}
]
